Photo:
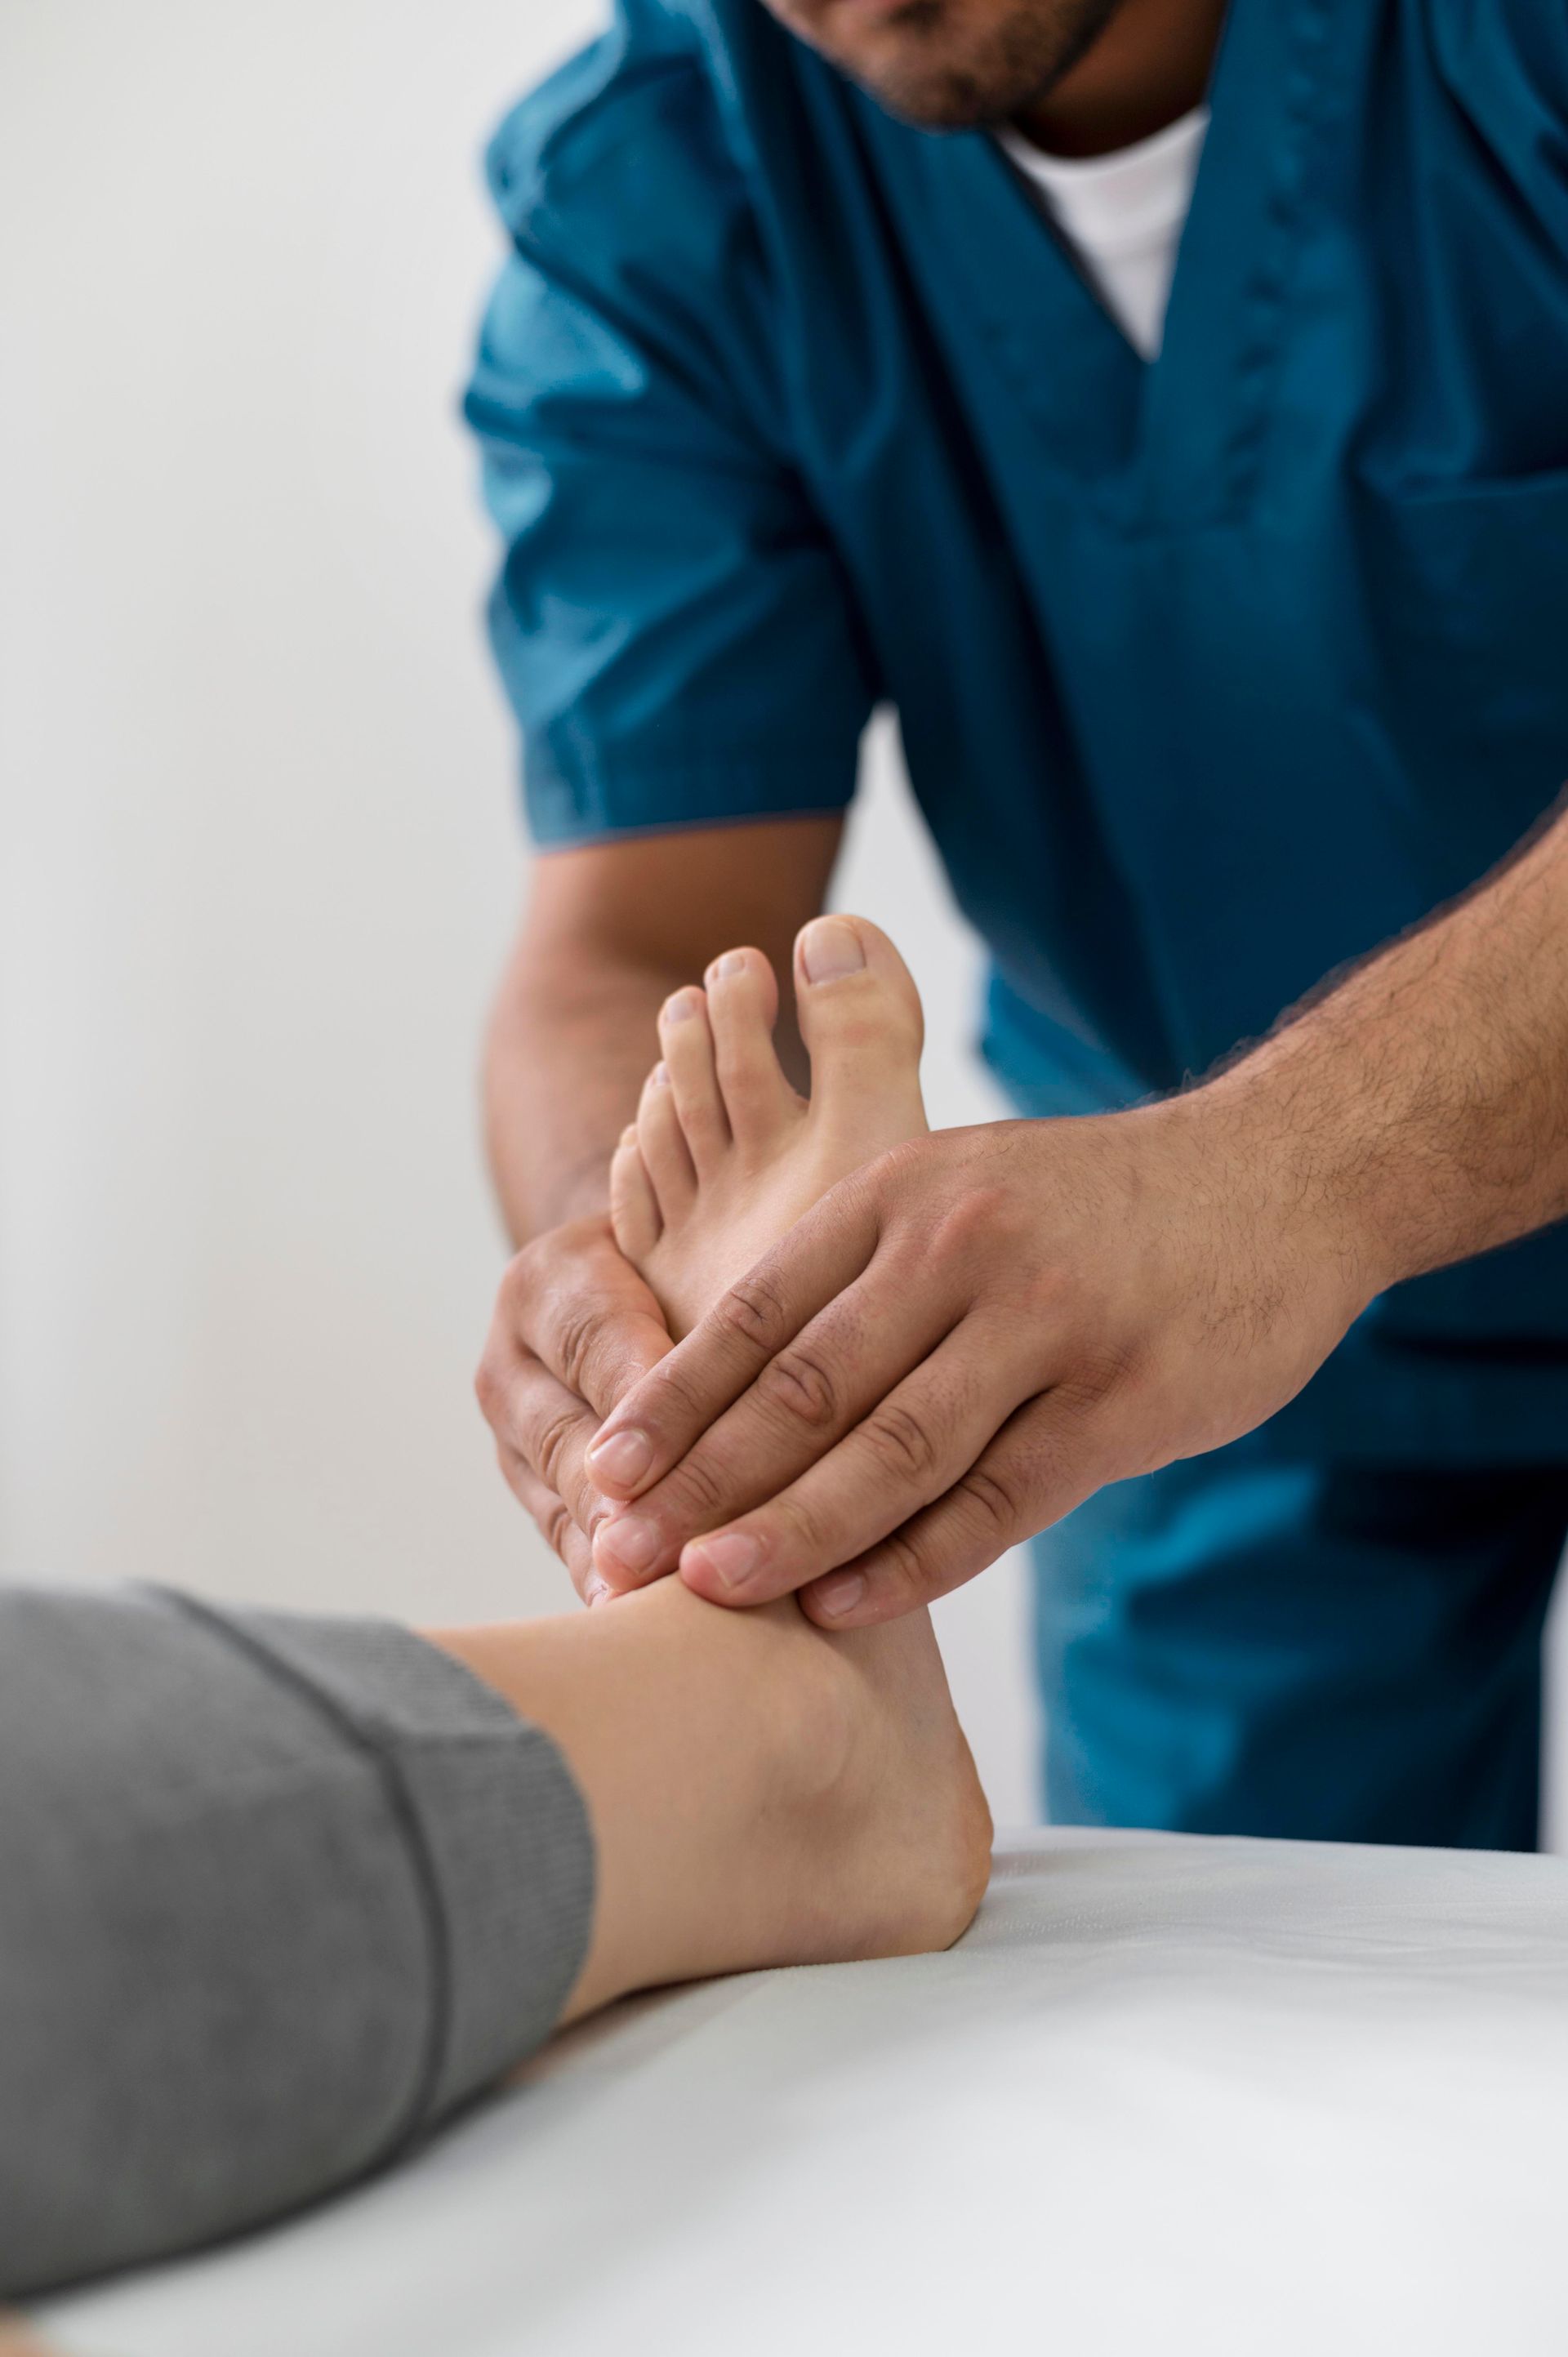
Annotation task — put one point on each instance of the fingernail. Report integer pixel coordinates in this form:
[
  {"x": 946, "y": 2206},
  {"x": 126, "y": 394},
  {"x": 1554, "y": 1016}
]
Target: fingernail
[
  {"x": 731, "y": 1559},
  {"x": 623, "y": 1458},
  {"x": 659, "y": 1076},
  {"x": 839, "y": 1593},
  {"x": 630, "y": 1544},
  {"x": 594, "y": 1591},
  {"x": 682, "y": 1007},
  {"x": 830, "y": 948},
  {"x": 732, "y": 963}
]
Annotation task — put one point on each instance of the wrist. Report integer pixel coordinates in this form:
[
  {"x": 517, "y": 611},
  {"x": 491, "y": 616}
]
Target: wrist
[{"x": 1276, "y": 1153}]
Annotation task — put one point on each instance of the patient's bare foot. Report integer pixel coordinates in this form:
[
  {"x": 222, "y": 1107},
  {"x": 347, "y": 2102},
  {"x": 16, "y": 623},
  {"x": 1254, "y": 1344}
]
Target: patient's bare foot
[
  {"x": 724, "y": 1156},
  {"x": 723, "y": 1159},
  {"x": 762, "y": 1791}
]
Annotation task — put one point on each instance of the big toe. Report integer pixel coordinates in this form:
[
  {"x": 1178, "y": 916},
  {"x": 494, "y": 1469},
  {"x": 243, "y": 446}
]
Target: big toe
[{"x": 861, "y": 1020}]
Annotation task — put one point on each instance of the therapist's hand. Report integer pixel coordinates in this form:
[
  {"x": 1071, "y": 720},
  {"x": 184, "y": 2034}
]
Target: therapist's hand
[
  {"x": 575, "y": 1327},
  {"x": 960, "y": 1342}
]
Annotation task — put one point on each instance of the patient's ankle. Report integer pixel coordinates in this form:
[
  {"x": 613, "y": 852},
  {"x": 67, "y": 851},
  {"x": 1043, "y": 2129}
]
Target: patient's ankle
[{"x": 761, "y": 1793}]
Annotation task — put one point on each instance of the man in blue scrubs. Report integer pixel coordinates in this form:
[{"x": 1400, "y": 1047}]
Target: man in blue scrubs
[{"x": 1169, "y": 417}]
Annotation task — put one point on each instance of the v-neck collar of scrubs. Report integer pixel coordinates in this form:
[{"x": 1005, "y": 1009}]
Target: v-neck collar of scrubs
[
  {"x": 1124, "y": 212},
  {"x": 1179, "y": 440}
]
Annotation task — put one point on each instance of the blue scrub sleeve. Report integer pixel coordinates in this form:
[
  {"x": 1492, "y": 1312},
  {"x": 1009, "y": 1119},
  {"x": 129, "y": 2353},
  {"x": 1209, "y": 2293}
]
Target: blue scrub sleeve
[{"x": 671, "y": 623}]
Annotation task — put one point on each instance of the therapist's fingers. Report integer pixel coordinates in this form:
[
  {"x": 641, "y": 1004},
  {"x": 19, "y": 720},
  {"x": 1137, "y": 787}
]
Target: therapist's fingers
[
  {"x": 659, "y": 1418},
  {"x": 919, "y": 1439},
  {"x": 816, "y": 1390},
  {"x": 574, "y": 1327},
  {"x": 1055, "y": 1452},
  {"x": 543, "y": 1434},
  {"x": 553, "y": 1521},
  {"x": 574, "y": 1300}
]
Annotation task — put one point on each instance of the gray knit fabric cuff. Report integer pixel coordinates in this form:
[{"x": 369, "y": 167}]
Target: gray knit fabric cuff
[{"x": 495, "y": 1833}]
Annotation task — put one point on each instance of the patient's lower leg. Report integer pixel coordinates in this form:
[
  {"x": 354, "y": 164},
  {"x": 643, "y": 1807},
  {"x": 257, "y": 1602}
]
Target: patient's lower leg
[{"x": 761, "y": 1793}]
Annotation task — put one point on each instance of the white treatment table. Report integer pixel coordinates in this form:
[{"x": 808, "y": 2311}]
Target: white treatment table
[{"x": 1168, "y": 2094}]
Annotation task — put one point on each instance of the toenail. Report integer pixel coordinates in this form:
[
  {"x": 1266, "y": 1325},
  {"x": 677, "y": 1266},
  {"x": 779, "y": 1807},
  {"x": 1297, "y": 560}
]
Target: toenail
[
  {"x": 630, "y": 1544},
  {"x": 732, "y": 963},
  {"x": 732, "y": 1559},
  {"x": 682, "y": 1007},
  {"x": 623, "y": 1458},
  {"x": 830, "y": 948},
  {"x": 839, "y": 1593}
]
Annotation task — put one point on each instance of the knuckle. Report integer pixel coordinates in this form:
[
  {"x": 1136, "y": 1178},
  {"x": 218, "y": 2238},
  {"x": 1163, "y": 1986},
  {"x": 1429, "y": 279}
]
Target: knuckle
[
  {"x": 902, "y": 1568},
  {"x": 488, "y": 1387},
  {"x": 698, "y": 1492},
  {"x": 969, "y": 1222},
  {"x": 519, "y": 1277},
  {"x": 674, "y": 1402},
  {"x": 902, "y": 1441},
  {"x": 801, "y": 1534},
  {"x": 755, "y": 1312},
  {"x": 877, "y": 1197},
  {"x": 550, "y": 1444},
  {"x": 573, "y": 1339},
  {"x": 1046, "y": 1299},
  {"x": 545, "y": 1508},
  {"x": 798, "y": 1388},
  {"x": 1053, "y": 1287},
  {"x": 1115, "y": 1367},
  {"x": 888, "y": 1169},
  {"x": 501, "y": 1379},
  {"x": 554, "y": 1524},
  {"x": 995, "y": 1501},
  {"x": 517, "y": 1476}
]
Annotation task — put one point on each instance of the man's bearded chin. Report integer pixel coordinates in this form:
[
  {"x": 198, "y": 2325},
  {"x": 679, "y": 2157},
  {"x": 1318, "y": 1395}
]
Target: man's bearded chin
[{"x": 952, "y": 65}]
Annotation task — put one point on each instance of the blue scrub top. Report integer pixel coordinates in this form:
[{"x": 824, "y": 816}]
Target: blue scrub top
[{"x": 1211, "y": 673}]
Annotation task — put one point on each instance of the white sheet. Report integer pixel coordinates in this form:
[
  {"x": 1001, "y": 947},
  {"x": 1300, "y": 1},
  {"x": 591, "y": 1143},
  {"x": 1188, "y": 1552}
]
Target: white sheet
[{"x": 1168, "y": 2094}]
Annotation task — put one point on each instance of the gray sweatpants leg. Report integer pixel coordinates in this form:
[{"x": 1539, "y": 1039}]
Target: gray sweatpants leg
[{"x": 276, "y": 1895}]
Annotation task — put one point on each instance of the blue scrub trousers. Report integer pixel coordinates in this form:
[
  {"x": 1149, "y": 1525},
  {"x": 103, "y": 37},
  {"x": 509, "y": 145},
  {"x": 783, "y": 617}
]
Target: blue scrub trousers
[{"x": 1248, "y": 1643}]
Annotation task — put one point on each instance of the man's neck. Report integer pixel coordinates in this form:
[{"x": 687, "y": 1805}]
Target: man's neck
[{"x": 1148, "y": 68}]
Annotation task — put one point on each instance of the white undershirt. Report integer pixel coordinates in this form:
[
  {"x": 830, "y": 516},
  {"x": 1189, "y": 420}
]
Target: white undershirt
[{"x": 1124, "y": 214}]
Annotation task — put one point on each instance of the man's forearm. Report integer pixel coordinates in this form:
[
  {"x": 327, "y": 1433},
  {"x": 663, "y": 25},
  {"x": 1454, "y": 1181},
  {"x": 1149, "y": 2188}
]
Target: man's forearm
[
  {"x": 1425, "y": 1097},
  {"x": 1058, "y": 1305},
  {"x": 571, "y": 1039}
]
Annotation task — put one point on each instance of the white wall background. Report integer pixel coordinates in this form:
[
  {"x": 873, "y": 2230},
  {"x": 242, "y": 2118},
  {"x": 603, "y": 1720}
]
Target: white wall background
[{"x": 258, "y": 849}]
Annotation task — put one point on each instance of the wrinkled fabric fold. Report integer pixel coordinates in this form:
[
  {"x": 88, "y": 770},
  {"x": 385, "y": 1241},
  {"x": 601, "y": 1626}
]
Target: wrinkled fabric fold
[{"x": 276, "y": 1895}]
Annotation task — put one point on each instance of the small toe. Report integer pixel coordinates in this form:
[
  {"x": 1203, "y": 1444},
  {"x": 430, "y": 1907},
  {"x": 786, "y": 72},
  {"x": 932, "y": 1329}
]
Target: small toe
[
  {"x": 634, "y": 1207},
  {"x": 861, "y": 1020},
  {"x": 665, "y": 1155},
  {"x": 688, "y": 1044},
  {"x": 743, "y": 1006}
]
